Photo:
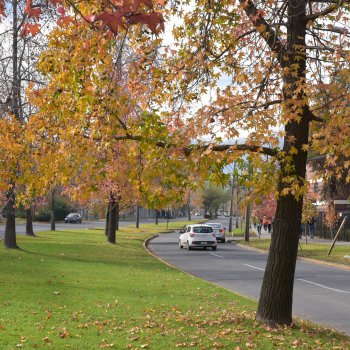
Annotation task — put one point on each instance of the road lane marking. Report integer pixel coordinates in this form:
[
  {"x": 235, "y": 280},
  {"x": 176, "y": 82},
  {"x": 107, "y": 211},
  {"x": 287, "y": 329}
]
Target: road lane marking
[
  {"x": 322, "y": 286},
  {"x": 219, "y": 256},
  {"x": 254, "y": 267}
]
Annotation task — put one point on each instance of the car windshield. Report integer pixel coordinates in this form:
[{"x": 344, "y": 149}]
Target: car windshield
[
  {"x": 202, "y": 229},
  {"x": 71, "y": 215},
  {"x": 215, "y": 225}
]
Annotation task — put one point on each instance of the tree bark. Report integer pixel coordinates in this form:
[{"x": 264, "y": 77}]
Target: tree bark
[
  {"x": 112, "y": 222},
  {"x": 157, "y": 215},
  {"x": 117, "y": 212},
  {"x": 10, "y": 228},
  {"x": 29, "y": 222},
  {"x": 53, "y": 218},
  {"x": 189, "y": 207},
  {"x": 137, "y": 216},
  {"x": 107, "y": 220},
  {"x": 276, "y": 298}
]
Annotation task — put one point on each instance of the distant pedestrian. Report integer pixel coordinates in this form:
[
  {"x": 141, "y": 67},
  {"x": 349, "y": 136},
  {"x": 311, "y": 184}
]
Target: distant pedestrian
[
  {"x": 259, "y": 225},
  {"x": 269, "y": 224},
  {"x": 264, "y": 222},
  {"x": 311, "y": 224}
]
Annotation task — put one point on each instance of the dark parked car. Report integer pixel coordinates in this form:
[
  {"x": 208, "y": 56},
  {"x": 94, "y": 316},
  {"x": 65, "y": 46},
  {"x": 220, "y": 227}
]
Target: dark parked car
[{"x": 73, "y": 218}]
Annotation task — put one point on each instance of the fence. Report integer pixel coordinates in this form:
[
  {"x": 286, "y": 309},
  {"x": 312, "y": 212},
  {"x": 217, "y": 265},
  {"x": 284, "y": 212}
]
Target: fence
[{"x": 324, "y": 231}]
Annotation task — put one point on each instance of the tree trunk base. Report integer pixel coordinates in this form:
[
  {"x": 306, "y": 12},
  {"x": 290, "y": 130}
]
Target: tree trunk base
[
  {"x": 12, "y": 246},
  {"x": 272, "y": 323}
]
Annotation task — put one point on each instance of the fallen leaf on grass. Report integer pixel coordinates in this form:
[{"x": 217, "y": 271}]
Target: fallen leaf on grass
[
  {"x": 105, "y": 345},
  {"x": 63, "y": 333}
]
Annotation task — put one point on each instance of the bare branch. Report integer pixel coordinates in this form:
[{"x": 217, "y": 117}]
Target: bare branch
[
  {"x": 334, "y": 29},
  {"x": 215, "y": 148},
  {"x": 325, "y": 12}
]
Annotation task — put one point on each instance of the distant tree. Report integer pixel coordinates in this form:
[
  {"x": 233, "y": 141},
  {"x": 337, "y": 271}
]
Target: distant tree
[{"x": 213, "y": 197}]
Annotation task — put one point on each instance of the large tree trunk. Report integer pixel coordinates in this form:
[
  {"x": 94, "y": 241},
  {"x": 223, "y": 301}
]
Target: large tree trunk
[
  {"x": 112, "y": 222},
  {"x": 137, "y": 216},
  {"x": 107, "y": 221},
  {"x": 117, "y": 213},
  {"x": 53, "y": 218},
  {"x": 276, "y": 298},
  {"x": 157, "y": 216},
  {"x": 29, "y": 222},
  {"x": 10, "y": 228}
]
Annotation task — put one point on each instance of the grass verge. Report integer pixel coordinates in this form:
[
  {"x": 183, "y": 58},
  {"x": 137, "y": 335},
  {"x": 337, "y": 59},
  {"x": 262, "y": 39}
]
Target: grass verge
[{"x": 72, "y": 290}]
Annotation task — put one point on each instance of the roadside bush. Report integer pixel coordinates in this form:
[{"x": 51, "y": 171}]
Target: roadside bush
[{"x": 62, "y": 209}]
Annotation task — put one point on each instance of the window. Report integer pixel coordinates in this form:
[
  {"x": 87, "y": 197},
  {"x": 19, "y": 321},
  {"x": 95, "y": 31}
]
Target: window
[{"x": 316, "y": 187}]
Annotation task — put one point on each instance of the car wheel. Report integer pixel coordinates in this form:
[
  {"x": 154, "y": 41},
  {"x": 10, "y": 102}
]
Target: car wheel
[
  {"x": 188, "y": 246},
  {"x": 180, "y": 245},
  {"x": 214, "y": 248}
]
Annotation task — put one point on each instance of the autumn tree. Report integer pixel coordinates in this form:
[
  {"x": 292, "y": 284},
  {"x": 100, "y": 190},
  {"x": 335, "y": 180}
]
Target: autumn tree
[
  {"x": 213, "y": 197},
  {"x": 275, "y": 56},
  {"x": 21, "y": 44}
]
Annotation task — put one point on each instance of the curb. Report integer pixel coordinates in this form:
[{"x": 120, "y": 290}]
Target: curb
[
  {"x": 145, "y": 244},
  {"x": 313, "y": 261}
]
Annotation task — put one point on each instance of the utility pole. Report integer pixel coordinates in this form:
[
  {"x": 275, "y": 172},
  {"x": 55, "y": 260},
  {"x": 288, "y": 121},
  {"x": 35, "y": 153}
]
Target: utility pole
[{"x": 189, "y": 206}]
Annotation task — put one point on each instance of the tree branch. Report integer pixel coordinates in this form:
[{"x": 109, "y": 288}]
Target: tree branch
[
  {"x": 266, "y": 30},
  {"x": 325, "y": 12},
  {"x": 215, "y": 148}
]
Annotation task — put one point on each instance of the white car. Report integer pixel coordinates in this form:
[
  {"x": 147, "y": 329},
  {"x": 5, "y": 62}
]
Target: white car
[
  {"x": 219, "y": 231},
  {"x": 194, "y": 236}
]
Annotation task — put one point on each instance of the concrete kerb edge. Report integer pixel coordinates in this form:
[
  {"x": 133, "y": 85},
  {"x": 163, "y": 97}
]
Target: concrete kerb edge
[{"x": 313, "y": 261}]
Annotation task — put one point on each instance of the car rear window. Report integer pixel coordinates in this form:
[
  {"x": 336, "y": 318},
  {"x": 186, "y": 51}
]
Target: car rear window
[{"x": 202, "y": 229}]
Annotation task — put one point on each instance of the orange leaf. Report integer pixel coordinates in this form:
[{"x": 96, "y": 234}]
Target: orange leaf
[{"x": 32, "y": 29}]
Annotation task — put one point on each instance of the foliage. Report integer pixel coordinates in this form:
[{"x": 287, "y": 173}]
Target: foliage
[
  {"x": 212, "y": 198},
  {"x": 62, "y": 209},
  {"x": 265, "y": 206}
]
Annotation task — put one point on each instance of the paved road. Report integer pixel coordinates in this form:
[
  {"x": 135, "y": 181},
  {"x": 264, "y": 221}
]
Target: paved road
[{"x": 321, "y": 293}]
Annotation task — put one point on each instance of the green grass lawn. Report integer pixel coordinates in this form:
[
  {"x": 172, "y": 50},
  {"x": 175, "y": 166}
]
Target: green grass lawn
[
  {"x": 72, "y": 290},
  {"x": 340, "y": 254}
]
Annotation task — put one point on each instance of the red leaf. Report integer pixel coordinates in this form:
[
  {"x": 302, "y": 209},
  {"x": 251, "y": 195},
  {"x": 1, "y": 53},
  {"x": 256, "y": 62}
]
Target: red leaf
[
  {"x": 32, "y": 12},
  {"x": 32, "y": 29},
  {"x": 61, "y": 10},
  {"x": 56, "y": 2},
  {"x": 154, "y": 21},
  {"x": 113, "y": 20},
  {"x": 64, "y": 20},
  {"x": 2, "y": 8}
]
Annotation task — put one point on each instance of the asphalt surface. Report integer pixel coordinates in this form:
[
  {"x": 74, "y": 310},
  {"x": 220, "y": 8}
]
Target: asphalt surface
[{"x": 321, "y": 293}]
